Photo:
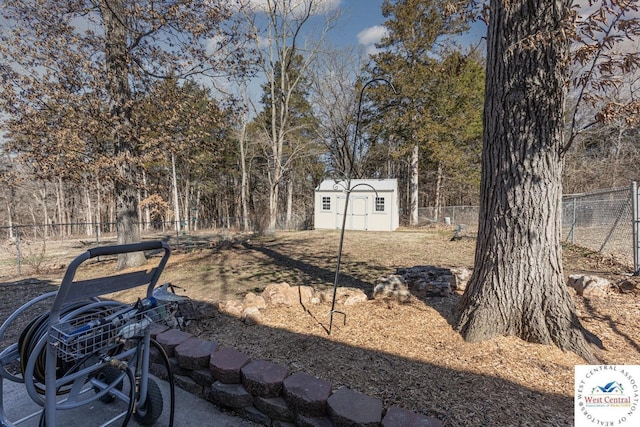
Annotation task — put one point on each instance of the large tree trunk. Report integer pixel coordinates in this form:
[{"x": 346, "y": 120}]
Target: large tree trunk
[
  {"x": 274, "y": 194},
  {"x": 117, "y": 64},
  {"x": 517, "y": 287}
]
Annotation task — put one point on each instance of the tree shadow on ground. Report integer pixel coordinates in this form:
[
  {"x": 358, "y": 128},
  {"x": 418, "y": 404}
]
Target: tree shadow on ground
[
  {"x": 13, "y": 295},
  {"x": 311, "y": 273},
  {"x": 445, "y": 306},
  {"x": 598, "y": 315}
]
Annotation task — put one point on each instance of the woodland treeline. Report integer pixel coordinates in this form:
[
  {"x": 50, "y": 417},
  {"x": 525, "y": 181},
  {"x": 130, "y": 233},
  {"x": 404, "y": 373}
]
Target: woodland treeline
[{"x": 179, "y": 135}]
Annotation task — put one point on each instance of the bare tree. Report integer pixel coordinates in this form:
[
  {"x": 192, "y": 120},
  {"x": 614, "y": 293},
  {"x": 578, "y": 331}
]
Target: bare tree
[
  {"x": 604, "y": 54},
  {"x": 78, "y": 68},
  {"x": 333, "y": 94},
  {"x": 288, "y": 49},
  {"x": 605, "y": 153}
]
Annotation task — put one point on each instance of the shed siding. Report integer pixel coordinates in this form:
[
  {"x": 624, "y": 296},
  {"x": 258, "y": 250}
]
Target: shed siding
[{"x": 364, "y": 211}]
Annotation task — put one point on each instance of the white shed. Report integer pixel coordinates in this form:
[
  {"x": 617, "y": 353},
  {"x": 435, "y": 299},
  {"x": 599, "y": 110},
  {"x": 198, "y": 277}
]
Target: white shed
[{"x": 368, "y": 209}]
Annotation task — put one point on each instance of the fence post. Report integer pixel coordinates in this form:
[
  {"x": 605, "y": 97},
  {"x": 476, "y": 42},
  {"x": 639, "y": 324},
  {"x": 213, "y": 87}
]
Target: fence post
[
  {"x": 573, "y": 222},
  {"x": 635, "y": 223}
]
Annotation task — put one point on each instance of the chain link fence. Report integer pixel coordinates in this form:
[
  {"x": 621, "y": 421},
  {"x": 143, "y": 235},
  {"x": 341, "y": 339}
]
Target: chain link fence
[
  {"x": 465, "y": 216},
  {"x": 37, "y": 248},
  {"x": 603, "y": 221}
]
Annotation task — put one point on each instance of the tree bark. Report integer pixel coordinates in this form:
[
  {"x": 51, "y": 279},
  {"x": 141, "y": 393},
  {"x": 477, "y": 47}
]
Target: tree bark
[
  {"x": 88, "y": 216},
  {"x": 117, "y": 64},
  {"x": 517, "y": 287},
  {"x": 413, "y": 188},
  {"x": 438, "y": 196},
  {"x": 290, "y": 201},
  {"x": 176, "y": 198},
  {"x": 45, "y": 211},
  {"x": 139, "y": 200},
  {"x": 63, "y": 213},
  {"x": 61, "y": 207},
  {"x": 98, "y": 214},
  {"x": 111, "y": 215},
  {"x": 147, "y": 210},
  {"x": 186, "y": 212},
  {"x": 196, "y": 219},
  {"x": 274, "y": 195},
  {"x": 244, "y": 186},
  {"x": 12, "y": 194}
]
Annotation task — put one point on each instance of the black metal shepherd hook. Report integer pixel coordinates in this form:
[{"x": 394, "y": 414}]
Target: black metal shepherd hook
[{"x": 346, "y": 185}]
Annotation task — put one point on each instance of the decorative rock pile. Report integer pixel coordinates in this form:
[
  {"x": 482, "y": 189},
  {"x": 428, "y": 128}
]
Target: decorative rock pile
[
  {"x": 421, "y": 281},
  {"x": 393, "y": 286},
  {"x": 284, "y": 295},
  {"x": 265, "y": 393},
  {"x": 431, "y": 281},
  {"x": 589, "y": 286}
]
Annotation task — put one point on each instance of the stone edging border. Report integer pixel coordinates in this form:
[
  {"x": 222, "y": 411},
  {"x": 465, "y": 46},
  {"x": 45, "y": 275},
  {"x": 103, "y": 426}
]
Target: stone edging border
[{"x": 265, "y": 393}]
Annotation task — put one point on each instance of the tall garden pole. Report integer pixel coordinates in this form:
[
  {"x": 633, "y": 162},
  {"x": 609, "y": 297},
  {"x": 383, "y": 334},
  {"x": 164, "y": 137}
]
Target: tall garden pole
[{"x": 347, "y": 189}]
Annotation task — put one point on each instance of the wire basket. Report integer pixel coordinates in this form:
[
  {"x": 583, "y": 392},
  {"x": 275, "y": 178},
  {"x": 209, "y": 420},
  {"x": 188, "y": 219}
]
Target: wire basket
[{"x": 99, "y": 333}]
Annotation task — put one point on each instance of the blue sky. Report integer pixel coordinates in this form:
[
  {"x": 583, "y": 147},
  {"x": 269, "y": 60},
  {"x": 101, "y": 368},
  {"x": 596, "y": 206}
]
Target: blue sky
[
  {"x": 359, "y": 17},
  {"x": 361, "y": 24}
]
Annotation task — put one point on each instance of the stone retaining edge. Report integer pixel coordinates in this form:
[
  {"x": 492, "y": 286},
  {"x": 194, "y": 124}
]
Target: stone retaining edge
[{"x": 276, "y": 398}]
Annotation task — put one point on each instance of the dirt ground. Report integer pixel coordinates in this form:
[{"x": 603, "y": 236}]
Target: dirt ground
[{"x": 404, "y": 354}]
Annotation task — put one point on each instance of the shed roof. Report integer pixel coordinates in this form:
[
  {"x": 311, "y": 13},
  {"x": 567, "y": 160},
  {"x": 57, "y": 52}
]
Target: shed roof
[{"x": 378, "y": 184}]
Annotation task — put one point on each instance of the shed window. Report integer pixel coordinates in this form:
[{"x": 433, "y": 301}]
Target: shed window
[
  {"x": 326, "y": 203},
  {"x": 379, "y": 204}
]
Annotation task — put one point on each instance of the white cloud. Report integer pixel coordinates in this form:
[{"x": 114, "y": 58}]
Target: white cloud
[{"x": 372, "y": 35}]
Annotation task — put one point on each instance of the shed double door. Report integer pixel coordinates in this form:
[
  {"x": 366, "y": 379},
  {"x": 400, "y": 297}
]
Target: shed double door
[{"x": 357, "y": 217}]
